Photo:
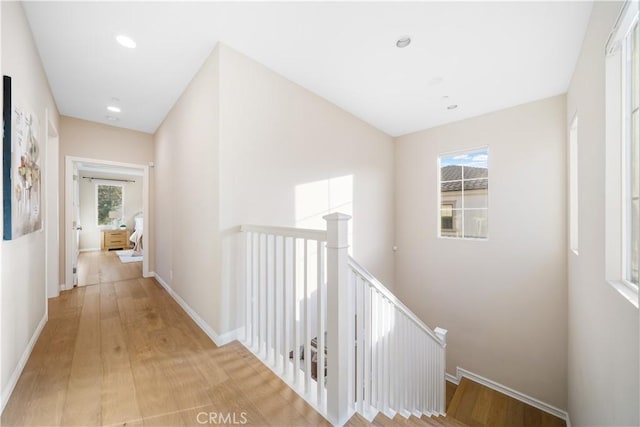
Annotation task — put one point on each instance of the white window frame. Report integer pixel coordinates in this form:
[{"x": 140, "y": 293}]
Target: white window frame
[
  {"x": 461, "y": 208},
  {"x": 617, "y": 89},
  {"x": 111, "y": 184},
  {"x": 574, "y": 219}
]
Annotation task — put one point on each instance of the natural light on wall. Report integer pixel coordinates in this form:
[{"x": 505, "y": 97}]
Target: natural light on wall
[{"x": 319, "y": 198}]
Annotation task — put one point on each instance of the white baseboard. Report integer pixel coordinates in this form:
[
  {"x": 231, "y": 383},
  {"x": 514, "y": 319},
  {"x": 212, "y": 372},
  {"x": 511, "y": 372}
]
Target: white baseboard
[
  {"x": 90, "y": 250},
  {"x": 219, "y": 340},
  {"x": 6, "y": 393},
  {"x": 452, "y": 378},
  {"x": 532, "y": 401}
]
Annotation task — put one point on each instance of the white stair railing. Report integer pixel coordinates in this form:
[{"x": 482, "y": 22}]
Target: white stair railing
[
  {"x": 302, "y": 284},
  {"x": 401, "y": 368},
  {"x": 285, "y": 294}
]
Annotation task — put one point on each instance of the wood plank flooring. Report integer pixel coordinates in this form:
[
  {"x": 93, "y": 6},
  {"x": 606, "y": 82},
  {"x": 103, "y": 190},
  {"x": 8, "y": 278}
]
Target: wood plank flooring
[
  {"x": 124, "y": 353},
  {"x": 105, "y": 267},
  {"x": 472, "y": 404},
  {"x": 476, "y": 405}
]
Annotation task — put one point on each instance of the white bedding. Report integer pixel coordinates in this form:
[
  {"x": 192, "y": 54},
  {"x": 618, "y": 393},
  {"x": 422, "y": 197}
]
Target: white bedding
[{"x": 136, "y": 237}]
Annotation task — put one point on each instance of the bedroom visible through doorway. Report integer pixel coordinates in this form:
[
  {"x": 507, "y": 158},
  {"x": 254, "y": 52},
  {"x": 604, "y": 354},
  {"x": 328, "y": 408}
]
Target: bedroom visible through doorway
[{"x": 106, "y": 210}]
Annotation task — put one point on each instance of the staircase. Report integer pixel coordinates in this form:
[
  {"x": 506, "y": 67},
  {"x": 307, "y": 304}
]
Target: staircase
[{"x": 334, "y": 333}]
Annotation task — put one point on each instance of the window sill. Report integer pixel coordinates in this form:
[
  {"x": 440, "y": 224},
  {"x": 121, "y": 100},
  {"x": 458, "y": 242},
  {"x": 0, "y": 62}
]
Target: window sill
[{"x": 627, "y": 292}]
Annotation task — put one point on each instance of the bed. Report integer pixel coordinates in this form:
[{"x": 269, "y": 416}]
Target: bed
[{"x": 136, "y": 237}]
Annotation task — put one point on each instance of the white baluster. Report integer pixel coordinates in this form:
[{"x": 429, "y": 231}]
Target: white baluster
[
  {"x": 279, "y": 308},
  {"x": 285, "y": 312},
  {"x": 320, "y": 295},
  {"x": 381, "y": 333},
  {"x": 359, "y": 285},
  {"x": 261, "y": 290},
  {"x": 248, "y": 289},
  {"x": 255, "y": 279},
  {"x": 368, "y": 348},
  {"x": 351, "y": 330},
  {"x": 385, "y": 356},
  {"x": 295, "y": 315},
  {"x": 269, "y": 298},
  {"x": 307, "y": 322}
]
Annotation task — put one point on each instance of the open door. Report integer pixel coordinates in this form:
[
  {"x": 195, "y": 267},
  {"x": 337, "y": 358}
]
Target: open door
[
  {"x": 73, "y": 169},
  {"x": 75, "y": 225}
]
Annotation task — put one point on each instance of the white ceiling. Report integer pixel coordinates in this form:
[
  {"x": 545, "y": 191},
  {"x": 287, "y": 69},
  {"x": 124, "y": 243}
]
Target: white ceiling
[{"x": 483, "y": 55}]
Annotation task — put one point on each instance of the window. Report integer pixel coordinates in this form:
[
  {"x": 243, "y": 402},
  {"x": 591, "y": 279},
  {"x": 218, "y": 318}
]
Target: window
[
  {"x": 446, "y": 216},
  {"x": 110, "y": 199},
  {"x": 622, "y": 153},
  {"x": 464, "y": 194},
  {"x": 573, "y": 185}
]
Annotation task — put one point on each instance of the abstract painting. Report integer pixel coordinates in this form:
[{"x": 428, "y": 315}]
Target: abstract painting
[{"x": 22, "y": 178}]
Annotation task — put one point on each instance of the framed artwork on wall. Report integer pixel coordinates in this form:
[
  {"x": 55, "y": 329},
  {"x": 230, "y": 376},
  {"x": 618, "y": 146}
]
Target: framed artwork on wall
[{"x": 21, "y": 167}]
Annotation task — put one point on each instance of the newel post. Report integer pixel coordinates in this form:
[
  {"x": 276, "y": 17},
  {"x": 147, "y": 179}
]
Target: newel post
[
  {"x": 338, "y": 322},
  {"x": 442, "y": 334}
]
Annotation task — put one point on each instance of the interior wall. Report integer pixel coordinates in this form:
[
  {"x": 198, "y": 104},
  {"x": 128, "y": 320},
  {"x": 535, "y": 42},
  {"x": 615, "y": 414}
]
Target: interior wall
[
  {"x": 288, "y": 156},
  {"x": 186, "y": 158},
  {"x": 82, "y": 138},
  {"x": 90, "y": 235},
  {"x": 237, "y": 148},
  {"x": 504, "y": 299},
  {"x": 603, "y": 326},
  {"x": 279, "y": 139},
  {"x": 23, "y": 260}
]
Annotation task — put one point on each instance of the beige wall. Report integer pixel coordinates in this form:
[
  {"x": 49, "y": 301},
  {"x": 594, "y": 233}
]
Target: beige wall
[
  {"x": 186, "y": 157},
  {"x": 270, "y": 141},
  {"x": 90, "y": 234},
  {"x": 603, "y": 326},
  {"x": 287, "y": 157},
  {"x": 503, "y": 300},
  {"x": 281, "y": 145},
  {"x": 23, "y": 260},
  {"x": 81, "y": 138}
]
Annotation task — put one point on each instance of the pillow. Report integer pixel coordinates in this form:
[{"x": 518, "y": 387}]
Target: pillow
[{"x": 138, "y": 224}]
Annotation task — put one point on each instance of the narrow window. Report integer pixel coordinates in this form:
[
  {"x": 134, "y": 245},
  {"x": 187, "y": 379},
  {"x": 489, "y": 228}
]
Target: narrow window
[
  {"x": 631, "y": 132},
  {"x": 464, "y": 194},
  {"x": 109, "y": 203},
  {"x": 573, "y": 185},
  {"x": 622, "y": 177}
]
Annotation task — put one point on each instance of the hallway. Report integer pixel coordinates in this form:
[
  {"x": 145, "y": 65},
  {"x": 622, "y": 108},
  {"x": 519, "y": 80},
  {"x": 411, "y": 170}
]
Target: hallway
[
  {"x": 124, "y": 353},
  {"x": 104, "y": 266}
]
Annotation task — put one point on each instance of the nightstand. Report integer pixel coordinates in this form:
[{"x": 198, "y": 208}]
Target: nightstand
[{"x": 115, "y": 239}]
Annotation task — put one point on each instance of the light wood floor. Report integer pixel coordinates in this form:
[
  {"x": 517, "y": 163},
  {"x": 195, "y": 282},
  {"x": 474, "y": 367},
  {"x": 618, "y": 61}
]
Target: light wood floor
[
  {"x": 105, "y": 267},
  {"x": 124, "y": 353},
  {"x": 476, "y": 405},
  {"x": 472, "y": 404}
]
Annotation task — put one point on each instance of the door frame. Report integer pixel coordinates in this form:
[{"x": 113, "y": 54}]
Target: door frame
[
  {"x": 52, "y": 209},
  {"x": 69, "y": 161}
]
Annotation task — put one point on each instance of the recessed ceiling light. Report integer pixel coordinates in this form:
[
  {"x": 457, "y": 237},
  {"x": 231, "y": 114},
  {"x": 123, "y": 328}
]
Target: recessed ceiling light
[
  {"x": 113, "y": 109},
  {"x": 403, "y": 41},
  {"x": 436, "y": 81},
  {"x": 452, "y": 106},
  {"x": 126, "y": 41},
  {"x": 112, "y": 119},
  {"x": 445, "y": 97}
]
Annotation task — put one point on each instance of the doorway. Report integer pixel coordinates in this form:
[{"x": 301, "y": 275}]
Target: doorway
[{"x": 108, "y": 217}]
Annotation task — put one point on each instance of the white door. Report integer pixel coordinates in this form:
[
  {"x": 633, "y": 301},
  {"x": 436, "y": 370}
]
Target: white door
[
  {"x": 77, "y": 227},
  {"x": 52, "y": 210}
]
